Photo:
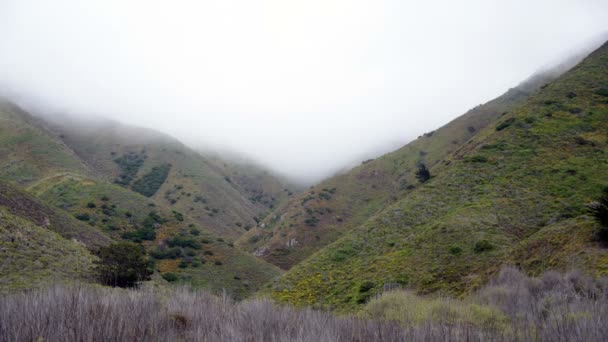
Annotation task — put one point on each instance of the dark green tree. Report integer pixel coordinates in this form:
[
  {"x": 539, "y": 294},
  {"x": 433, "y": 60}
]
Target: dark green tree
[
  {"x": 423, "y": 174},
  {"x": 122, "y": 264}
]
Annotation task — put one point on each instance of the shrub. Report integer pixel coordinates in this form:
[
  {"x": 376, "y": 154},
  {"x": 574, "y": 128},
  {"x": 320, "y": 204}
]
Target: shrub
[
  {"x": 423, "y": 174},
  {"x": 83, "y": 217},
  {"x": 170, "y": 277},
  {"x": 312, "y": 221},
  {"x": 599, "y": 210},
  {"x": 505, "y": 124},
  {"x": 122, "y": 264},
  {"x": 149, "y": 183},
  {"x": 181, "y": 241},
  {"x": 482, "y": 246},
  {"x": 140, "y": 235},
  {"x": 178, "y": 216},
  {"x": 455, "y": 250},
  {"x": 129, "y": 164},
  {"x": 91, "y": 205},
  {"x": 366, "y": 286},
  {"x": 168, "y": 253},
  {"x": 342, "y": 254},
  {"x": 478, "y": 159},
  {"x": 602, "y": 92}
]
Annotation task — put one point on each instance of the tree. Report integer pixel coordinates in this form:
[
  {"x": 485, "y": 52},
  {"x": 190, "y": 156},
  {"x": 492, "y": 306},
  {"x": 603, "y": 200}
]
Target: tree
[
  {"x": 423, "y": 174},
  {"x": 122, "y": 264},
  {"x": 599, "y": 210}
]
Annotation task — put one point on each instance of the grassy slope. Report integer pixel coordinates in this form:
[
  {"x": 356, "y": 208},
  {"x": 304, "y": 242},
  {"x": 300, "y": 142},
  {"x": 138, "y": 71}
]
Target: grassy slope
[
  {"x": 258, "y": 184},
  {"x": 28, "y": 151},
  {"x": 26, "y": 206},
  {"x": 33, "y": 255},
  {"x": 522, "y": 188},
  {"x": 38, "y": 159},
  {"x": 223, "y": 267},
  {"x": 287, "y": 238},
  {"x": 195, "y": 185}
]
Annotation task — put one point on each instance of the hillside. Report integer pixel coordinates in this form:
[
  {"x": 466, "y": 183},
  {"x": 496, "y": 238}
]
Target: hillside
[
  {"x": 74, "y": 193},
  {"x": 326, "y": 211},
  {"x": 162, "y": 168},
  {"x": 515, "y": 192},
  {"x": 29, "y": 151},
  {"x": 41, "y": 245}
]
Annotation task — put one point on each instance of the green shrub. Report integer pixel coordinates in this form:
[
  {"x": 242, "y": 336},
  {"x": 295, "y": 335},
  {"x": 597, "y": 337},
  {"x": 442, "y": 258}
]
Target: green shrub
[
  {"x": 129, "y": 165},
  {"x": 478, "y": 159},
  {"x": 482, "y": 246},
  {"x": 122, "y": 264},
  {"x": 366, "y": 286},
  {"x": 178, "y": 216},
  {"x": 312, "y": 221},
  {"x": 140, "y": 235},
  {"x": 168, "y": 253},
  {"x": 599, "y": 210},
  {"x": 602, "y": 92},
  {"x": 91, "y": 205},
  {"x": 170, "y": 277},
  {"x": 149, "y": 183},
  {"x": 83, "y": 216},
  {"x": 505, "y": 124},
  {"x": 455, "y": 250},
  {"x": 180, "y": 241},
  {"x": 423, "y": 174},
  {"x": 342, "y": 254}
]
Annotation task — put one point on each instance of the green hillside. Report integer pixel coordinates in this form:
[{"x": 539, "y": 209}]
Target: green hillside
[
  {"x": 33, "y": 256},
  {"x": 513, "y": 191},
  {"x": 72, "y": 189},
  {"x": 326, "y": 211},
  {"x": 29, "y": 151},
  {"x": 41, "y": 245},
  {"x": 162, "y": 168},
  {"x": 178, "y": 243}
]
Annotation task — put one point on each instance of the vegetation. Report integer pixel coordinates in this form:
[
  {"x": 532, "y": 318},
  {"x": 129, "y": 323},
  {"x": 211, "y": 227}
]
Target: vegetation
[
  {"x": 377, "y": 183},
  {"x": 423, "y": 174},
  {"x": 599, "y": 210},
  {"x": 129, "y": 164},
  {"x": 122, "y": 264},
  {"x": 553, "y": 307},
  {"x": 515, "y": 208},
  {"x": 149, "y": 183}
]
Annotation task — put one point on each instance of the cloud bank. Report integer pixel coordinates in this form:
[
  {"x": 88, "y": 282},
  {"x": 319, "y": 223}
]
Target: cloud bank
[{"x": 304, "y": 87}]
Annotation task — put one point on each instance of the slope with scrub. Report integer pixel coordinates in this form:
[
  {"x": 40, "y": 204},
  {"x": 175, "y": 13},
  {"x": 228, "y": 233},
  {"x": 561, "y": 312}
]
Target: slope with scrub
[{"x": 515, "y": 192}]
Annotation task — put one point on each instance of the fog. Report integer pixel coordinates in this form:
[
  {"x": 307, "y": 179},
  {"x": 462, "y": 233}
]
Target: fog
[{"x": 306, "y": 88}]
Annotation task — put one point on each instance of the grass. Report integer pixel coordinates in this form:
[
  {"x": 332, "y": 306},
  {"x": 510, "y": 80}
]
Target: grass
[{"x": 33, "y": 256}]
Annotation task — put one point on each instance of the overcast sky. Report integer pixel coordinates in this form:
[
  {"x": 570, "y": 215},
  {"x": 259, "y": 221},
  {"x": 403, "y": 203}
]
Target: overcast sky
[{"x": 305, "y": 87}]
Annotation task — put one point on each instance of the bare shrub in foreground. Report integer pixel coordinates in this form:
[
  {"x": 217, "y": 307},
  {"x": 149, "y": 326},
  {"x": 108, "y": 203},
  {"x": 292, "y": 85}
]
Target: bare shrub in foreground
[{"x": 513, "y": 307}]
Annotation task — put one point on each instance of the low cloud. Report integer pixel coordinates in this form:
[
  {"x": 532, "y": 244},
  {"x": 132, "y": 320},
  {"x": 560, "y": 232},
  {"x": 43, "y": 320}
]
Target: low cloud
[{"x": 304, "y": 87}]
